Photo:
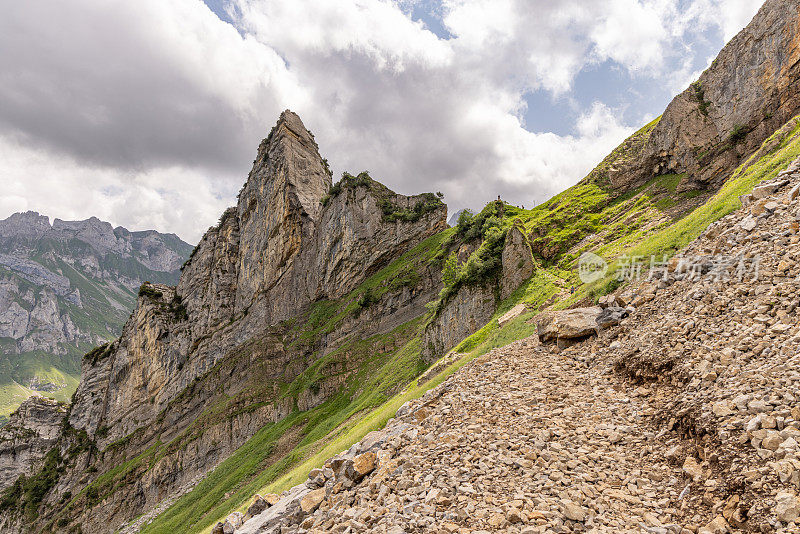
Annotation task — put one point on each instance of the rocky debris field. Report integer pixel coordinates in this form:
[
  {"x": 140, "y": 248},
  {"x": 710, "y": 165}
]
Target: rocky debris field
[
  {"x": 525, "y": 439},
  {"x": 720, "y": 335},
  {"x": 679, "y": 414}
]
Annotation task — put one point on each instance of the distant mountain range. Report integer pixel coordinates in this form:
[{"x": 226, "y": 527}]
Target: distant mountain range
[
  {"x": 453, "y": 220},
  {"x": 66, "y": 287}
]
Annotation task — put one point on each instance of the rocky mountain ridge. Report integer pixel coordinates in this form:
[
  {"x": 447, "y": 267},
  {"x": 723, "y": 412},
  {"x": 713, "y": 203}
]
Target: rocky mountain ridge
[
  {"x": 306, "y": 316},
  {"x": 611, "y": 433},
  {"x": 294, "y": 245}
]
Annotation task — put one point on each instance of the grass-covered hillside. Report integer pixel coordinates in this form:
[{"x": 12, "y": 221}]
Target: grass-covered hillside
[{"x": 592, "y": 216}]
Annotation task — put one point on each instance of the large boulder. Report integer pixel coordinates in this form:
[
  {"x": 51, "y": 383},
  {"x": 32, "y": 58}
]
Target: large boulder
[{"x": 575, "y": 324}]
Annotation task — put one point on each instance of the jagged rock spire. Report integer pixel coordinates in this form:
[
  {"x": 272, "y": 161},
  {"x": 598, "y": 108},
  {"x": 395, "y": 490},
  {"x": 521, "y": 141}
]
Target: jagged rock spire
[{"x": 279, "y": 205}]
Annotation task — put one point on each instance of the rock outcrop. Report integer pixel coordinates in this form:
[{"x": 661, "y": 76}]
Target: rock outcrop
[
  {"x": 273, "y": 255},
  {"x": 518, "y": 262},
  {"x": 749, "y": 91},
  {"x": 472, "y": 306},
  {"x": 464, "y": 313},
  {"x": 30, "y": 433}
]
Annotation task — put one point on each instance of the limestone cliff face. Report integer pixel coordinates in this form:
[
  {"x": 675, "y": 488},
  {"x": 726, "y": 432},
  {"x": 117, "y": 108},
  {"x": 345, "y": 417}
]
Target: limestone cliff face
[
  {"x": 518, "y": 262},
  {"x": 471, "y": 307},
  {"x": 30, "y": 433},
  {"x": 225, "y": 335},
  {"x": 278, "y": 210},
  {"x": 749, "y": 91},
  {"x": 354, "y": 241},
  {"x": 467, "y": 311},
  {"x": 127, "y": 384}
]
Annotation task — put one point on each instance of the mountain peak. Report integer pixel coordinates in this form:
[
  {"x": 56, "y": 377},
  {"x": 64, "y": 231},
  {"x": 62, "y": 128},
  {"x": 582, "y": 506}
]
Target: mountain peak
[
  {"x": 29, "y": 224},
  {"x": 290, "y": 125},
  {"x": 292, "y": 121},
  {"x": 282, "y": 194}
]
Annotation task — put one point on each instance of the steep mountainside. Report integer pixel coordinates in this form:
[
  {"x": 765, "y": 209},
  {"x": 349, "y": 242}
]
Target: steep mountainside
[
  {"x": 302, "y": 295},
  {"x": 749, "y": 91},
  {"x": 65, "y": 288},
  {"x": 313, "y": 311},
  {"x": 684, "y": 418}
]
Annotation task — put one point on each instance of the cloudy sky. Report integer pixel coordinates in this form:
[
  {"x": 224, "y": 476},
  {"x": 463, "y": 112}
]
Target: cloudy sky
[{"x": 148, "y": 114}]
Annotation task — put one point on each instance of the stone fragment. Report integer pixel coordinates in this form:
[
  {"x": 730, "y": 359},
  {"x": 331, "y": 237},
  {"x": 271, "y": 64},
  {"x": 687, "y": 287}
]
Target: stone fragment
[
  {"x": 764, "y": 191},
  {"x": 611, "y": 316},
  {"x": 573, "y": 511},
  {"x": 787, "y": 506},
  {"x": 772, "y": 442},
  {"x": 748, "y": 224},
  {"x": 718, "y": 526},
  {"x": 693, "y": 469},
  {"x": 758, "y": 207},
  {"x": 721, "y": 409},
  {"x": 259, "y": 505},
  {"x": 511, "y": 314},
  {"x": 312, "y": 500},
  {"x": 363, "y": 464},
  {"x": 794, "y": 193},
  {"x": 514, "y": 515},
  {"x": 232, "y": 522},
  {"x": 757, "y": 406}
]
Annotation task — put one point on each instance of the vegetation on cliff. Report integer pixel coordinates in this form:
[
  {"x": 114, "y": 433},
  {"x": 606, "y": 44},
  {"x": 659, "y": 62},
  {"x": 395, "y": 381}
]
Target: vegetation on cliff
[{"x": 391, "y": 211}]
